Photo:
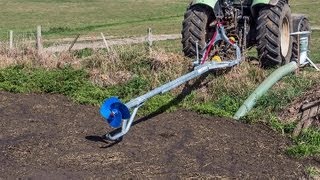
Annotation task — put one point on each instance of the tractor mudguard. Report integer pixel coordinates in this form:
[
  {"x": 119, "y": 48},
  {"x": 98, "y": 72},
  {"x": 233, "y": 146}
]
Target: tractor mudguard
[
  {"x": 210, "y": 3},
  {"x": 270, "y": 2},
  {"x": 261, "y": 2},
  {"x": 213, "y": 4}
]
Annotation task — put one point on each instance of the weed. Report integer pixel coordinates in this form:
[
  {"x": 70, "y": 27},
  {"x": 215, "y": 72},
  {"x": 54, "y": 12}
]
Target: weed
[
  {"x": 289, "y": 88},
  {"x": 313, "y": 172},
  {"x": 67, "y": 81},
  {"x": 277, "y": 125},
  {"x": 83, "y": 53},
  {"x": 136, "y": 86},
  {"x": 307, "y": 144},
  {"x": 210, "y": 109},
  {"x": 160, "y": 103}
]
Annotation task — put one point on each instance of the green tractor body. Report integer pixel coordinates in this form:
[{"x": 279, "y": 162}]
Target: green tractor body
[
  {"x": 210, "y": 3},
  {"x": 265, "y": 24}
]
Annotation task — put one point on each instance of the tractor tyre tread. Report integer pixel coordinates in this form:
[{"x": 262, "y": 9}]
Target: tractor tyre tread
[
  {"x": 268, "y": 34},
  {"x": 194, "y": 28}
]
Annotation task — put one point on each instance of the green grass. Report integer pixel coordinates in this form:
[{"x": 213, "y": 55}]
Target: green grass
[
  {"x": 67, "y": 81},
  {"x": 315, "y": 46},
  {"x": 72, "y": 83},
  {"x": 308, "y": 144},
  {"x": 76, "y": 85},
  {"x": 221, "y": 100},
  {"x": 124, "y": 17},
  {"x": 308, "y": 7},
  {"x": 173, "y": 46},
  {"x": 69, "y": 17}
]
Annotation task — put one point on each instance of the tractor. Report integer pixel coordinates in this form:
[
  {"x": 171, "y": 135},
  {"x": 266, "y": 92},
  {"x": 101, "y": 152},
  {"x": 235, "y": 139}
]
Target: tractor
[{"x": 264, "y": 24}]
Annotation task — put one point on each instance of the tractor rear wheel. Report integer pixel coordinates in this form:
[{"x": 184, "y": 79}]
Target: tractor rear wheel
[
  {"x": 274, "y": 43},
  {"x": 195, "y": 29}
]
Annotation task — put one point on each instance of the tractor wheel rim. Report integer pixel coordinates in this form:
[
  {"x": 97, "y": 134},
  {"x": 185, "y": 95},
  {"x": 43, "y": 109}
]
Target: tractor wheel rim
[{"x": 285, "y": 37}]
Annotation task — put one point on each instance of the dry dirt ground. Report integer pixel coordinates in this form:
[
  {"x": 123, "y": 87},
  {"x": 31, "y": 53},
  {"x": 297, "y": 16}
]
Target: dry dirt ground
[{"x": 47, "y": 136}]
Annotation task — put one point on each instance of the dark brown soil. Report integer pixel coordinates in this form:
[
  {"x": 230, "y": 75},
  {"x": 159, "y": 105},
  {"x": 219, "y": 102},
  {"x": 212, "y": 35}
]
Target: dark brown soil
[{"x": 48, "y": 136}]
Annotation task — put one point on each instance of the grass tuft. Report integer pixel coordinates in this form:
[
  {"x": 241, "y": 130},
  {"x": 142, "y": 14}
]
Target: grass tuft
[{"x": 308, "y": 144}]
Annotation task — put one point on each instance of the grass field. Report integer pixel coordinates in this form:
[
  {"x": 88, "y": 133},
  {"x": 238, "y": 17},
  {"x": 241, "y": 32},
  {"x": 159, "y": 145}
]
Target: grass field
[
  {"x": 123, "y": 17},
  {"x": 308, "y": 7},
  {"x": 66, "y": 17}
]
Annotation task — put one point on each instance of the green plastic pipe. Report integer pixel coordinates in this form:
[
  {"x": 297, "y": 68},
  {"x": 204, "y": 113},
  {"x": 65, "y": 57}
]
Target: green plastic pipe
[{"x": 264, "y": 87}]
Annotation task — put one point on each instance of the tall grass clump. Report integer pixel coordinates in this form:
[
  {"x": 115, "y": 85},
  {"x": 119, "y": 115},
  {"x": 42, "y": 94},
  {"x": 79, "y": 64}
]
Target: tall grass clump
[
  {"x": 131, "y": 70},
  {"x": 224, "y": 91},
  {"x": 67, "y": 81},
  {"x": 307, "y": 144}
]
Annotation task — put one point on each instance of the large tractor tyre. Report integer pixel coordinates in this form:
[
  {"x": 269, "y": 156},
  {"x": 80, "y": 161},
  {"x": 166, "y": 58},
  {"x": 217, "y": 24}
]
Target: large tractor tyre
[
  {"x": 195, "y": 29},
  {"x": 274, "y": 43},
  {"x": 300, "y": 23}
]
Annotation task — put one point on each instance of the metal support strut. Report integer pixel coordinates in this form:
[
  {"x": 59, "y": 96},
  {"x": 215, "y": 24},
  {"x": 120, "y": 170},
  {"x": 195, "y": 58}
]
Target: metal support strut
[
  {"x": 118, "y": 115},
  {"x": 303, "y": 43}
]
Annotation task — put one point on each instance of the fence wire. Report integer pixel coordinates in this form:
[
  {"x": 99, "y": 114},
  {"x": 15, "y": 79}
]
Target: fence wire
[{"x": 21, "y": 40}]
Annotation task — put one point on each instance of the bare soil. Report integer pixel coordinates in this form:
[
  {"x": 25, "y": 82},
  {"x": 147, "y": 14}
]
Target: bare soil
[{"x": 47, "y": 136}]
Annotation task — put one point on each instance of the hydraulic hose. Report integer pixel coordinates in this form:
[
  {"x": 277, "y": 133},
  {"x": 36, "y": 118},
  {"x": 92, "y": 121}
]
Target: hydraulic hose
[{"x": 264, "y": 87}]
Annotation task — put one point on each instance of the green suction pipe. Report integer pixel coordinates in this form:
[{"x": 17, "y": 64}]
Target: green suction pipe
[{"x": 264, "y": 87}]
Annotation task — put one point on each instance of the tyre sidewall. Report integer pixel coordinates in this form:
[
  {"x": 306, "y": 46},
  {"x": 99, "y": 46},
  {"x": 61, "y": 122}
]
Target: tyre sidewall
[{"x": 286, "y": 12}]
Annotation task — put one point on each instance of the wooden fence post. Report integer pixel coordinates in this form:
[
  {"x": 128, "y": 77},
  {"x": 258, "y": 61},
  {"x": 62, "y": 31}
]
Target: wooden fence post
[
  {"x": 39, "y": 41},
  {"x": 149, "y": 39},
  {"x": 74, "y": 42},
  {"x": 11, "y": 40},
  {"x": 105, "y": 42}
]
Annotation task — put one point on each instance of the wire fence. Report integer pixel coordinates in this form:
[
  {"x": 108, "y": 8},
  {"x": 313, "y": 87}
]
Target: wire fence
[
  {"x": 44, "y": 42},
  {"x": 17, "y": 40}
]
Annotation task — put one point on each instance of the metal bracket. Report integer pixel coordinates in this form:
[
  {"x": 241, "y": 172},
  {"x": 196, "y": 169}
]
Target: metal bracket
[{"x": 303, "y": 43}]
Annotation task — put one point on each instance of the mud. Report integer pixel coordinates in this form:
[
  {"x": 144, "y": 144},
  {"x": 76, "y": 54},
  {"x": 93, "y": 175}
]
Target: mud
[{"x": 48, "y": 136}]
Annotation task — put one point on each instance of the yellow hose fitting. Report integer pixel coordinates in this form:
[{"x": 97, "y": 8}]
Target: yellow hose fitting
[{"x": 216, "y": 58}]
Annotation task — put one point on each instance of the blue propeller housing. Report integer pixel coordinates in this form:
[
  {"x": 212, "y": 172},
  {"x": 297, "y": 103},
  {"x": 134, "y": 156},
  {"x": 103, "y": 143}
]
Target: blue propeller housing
[{"x": 113, "y": 110}]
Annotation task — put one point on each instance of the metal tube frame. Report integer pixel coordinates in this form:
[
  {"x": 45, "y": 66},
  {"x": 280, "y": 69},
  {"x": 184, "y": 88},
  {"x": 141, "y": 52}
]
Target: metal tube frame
[
  {"x": 199, "y": 69},
  {"x": 303, "y": 43}
]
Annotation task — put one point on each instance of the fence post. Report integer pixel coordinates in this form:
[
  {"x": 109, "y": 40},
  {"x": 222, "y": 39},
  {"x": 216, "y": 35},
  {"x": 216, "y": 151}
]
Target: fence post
[
  {"x": 105, "y": 42},
  {"x": 11, "y": 39},
  {"x": 74, "y": 42},
  {"x": 39, "y": 40},
  {"x": 149, "y": 39}
]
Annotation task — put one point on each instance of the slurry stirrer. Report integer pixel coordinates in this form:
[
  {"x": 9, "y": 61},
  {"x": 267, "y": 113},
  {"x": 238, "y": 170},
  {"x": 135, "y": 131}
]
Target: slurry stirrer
[{"x": 117, "y": 114}]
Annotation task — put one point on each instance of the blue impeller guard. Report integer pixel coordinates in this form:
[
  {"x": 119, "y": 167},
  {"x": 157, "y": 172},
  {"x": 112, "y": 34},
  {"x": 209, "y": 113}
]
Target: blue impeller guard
[
  {"x": 113, "y": 110},
  {"x": 116, "y": 114}
]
